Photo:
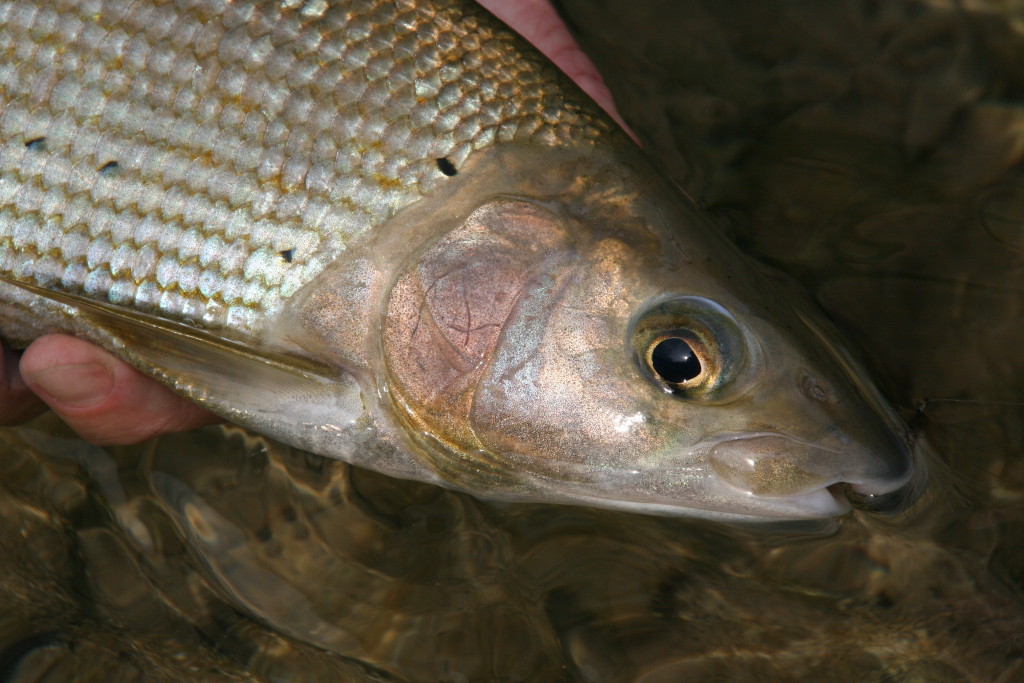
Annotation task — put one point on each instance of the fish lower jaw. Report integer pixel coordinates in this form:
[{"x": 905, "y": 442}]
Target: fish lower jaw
[
  {"x": 840, "y": 498},
  {"x": 817, "y": 504}
]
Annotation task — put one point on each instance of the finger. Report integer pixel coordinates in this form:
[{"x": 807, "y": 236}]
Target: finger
[
  {"x": 104, "y": 400},
  {"x": 539, "y": 23},
  {"x": 17, "y": 402}
]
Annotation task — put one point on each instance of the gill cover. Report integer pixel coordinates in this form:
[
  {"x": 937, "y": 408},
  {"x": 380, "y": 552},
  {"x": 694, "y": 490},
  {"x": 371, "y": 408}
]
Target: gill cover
[{"x": 447, "y": 313}]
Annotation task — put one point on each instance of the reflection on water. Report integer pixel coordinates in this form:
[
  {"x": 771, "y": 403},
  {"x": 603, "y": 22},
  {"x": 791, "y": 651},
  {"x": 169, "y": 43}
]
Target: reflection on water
[
  {"x": 870, "y": 149},
  {"x": 265, "y": 561}
]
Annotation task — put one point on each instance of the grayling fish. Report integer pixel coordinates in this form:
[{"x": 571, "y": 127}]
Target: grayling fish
[{"x": 389, "y": 231}]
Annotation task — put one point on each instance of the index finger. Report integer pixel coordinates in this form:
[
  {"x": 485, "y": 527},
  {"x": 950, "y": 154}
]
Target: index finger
[{"x": 538, "y": 22}]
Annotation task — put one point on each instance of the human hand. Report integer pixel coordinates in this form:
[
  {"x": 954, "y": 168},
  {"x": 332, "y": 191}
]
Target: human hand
[
  {"x": 108, "y": 402},
  {"x": 537, "y": 21},
  {"x": 102, "y": 398}
]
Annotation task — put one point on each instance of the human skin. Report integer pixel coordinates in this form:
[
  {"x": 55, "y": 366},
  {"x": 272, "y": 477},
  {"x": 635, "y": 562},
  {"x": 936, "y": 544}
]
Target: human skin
[{"x": 108, "y": 402}]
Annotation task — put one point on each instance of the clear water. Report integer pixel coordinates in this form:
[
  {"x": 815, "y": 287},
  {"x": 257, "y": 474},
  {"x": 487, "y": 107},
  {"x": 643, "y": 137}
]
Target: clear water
[{"x": 871, "y": 150}]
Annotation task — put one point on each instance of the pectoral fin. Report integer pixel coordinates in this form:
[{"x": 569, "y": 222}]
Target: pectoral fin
[{"x": 294, "y": 399}]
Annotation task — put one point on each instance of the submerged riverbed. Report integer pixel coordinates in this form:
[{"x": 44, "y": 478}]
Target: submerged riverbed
[{"x": 870, "y": 150}]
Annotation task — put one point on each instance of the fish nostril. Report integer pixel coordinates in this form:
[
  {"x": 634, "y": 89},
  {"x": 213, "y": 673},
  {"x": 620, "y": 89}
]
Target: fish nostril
[{"x": 814, "y": 389}]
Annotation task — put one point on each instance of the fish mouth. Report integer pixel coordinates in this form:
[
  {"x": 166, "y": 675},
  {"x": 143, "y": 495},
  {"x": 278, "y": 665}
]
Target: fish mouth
[
  {"x": 776, "y": 467},
  {"x": 836, "y": 500},
  {"x": 889, "y": 501}
]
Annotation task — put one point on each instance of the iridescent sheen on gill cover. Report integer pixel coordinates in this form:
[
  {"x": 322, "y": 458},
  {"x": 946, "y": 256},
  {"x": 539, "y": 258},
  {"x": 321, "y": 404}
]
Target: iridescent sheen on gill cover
[{"x": 204, "y": 159}]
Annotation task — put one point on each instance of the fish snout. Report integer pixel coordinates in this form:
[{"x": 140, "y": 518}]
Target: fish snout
[
  {"x": 903, "y": 484},
  {"x": 775, "y": 465}
]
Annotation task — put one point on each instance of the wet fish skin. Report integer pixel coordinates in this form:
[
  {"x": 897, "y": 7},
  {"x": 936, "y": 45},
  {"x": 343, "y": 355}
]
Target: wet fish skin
[
  {"x": 391, "y": 232},
  {"x": 170, "y": 152}
]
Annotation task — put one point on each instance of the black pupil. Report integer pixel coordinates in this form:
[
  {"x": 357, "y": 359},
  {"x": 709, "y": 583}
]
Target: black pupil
[{"x": 674, "y": 360}]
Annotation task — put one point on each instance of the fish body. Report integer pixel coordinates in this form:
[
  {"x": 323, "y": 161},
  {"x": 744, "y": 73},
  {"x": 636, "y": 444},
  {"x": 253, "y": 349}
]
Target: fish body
[{"x": 393, "y": 233}]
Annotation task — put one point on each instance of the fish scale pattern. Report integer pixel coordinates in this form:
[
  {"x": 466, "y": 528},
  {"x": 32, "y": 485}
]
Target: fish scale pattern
[{"x": 204, "y": 159}]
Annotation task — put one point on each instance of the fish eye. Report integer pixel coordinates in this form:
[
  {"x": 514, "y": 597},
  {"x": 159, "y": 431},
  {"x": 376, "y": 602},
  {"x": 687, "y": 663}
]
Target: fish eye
[
  {"x": 689, "y": 346},
  {"x": 675, "y": 361}
]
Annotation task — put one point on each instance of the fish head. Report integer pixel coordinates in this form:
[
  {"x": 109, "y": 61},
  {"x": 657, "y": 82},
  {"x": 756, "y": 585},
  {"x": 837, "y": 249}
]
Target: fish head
[{"x": 596, "y": 341}]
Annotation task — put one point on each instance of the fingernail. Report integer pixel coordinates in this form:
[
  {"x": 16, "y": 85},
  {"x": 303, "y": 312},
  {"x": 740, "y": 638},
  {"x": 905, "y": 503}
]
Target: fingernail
[{"x": 74, "y": 386}]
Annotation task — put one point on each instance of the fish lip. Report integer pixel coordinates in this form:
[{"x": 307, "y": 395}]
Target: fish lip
[
  {"x": 880, "y": 494},
  {"x": 820, "y": 503},
  {"x": 840, "y": 498}
]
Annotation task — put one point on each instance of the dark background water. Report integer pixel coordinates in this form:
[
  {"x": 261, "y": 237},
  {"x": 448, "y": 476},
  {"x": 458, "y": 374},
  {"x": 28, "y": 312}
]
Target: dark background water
[{"x": 869, "y": 149}]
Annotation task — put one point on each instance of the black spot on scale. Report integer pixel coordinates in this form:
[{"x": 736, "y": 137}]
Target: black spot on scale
[
  {"x": 287, "y": 255},
  {"x": 445, "y": 166},
  {"x": 36, "y": 144},
  {"x": 109, "y": 168}
]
